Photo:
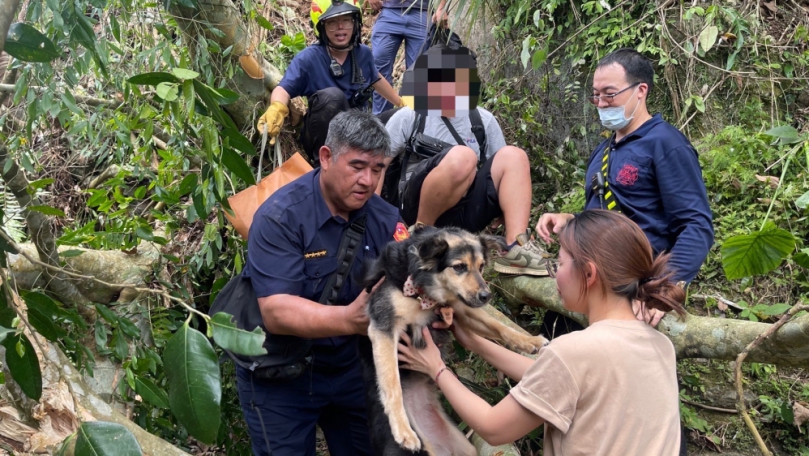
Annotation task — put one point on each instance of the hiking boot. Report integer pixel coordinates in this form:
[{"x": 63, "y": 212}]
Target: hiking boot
[{"x": 525, "y": 258}]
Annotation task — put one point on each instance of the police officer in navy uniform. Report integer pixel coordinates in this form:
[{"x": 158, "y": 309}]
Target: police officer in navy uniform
[
  {"x": 292, "y": 252},
  {"x": 335, "y": 74}
]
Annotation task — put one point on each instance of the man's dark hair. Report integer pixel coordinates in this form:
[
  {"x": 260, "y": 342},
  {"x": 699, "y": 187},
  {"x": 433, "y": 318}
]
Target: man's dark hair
[
  {"x": 358, "y": 131},
  {"x": 638, "y": 68}
]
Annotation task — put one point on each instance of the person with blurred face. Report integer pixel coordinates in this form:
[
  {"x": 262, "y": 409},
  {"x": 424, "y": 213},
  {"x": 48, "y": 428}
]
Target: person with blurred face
[
  {"x": 476, "y": 178},
  {"x": 292, "y": 252}
]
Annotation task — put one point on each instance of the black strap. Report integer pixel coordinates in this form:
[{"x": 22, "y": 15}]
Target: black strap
[
  {"x": 418, "y": 127},
  {"x": 346, "y": 254},
  {"x": 452, "y": 131},
  {"x": 478, "y": 130}
]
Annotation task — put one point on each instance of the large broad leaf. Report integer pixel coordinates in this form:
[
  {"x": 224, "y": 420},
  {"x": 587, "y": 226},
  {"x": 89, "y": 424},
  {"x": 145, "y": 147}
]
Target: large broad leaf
[
  {"x": 5, "y": 332},
  {"x": 24, "y": 369},
  {"x": 152, "y": 78},
  {"x": 42, "y": 311},
  {"x": 238, "y": 141},
  {"x": 151, "y": 393},
  {"x": 708, "y": 37},
  {"x": 235, "y": 163},
  {"x": 28, "y": 44},
  {"x": 195, "y": 390},
  {"x": 229, "y": 337},
  {"x": 758, "y": 253},
  {"x": 784, "y": 134},
  {"x": 102, "y": 438}
]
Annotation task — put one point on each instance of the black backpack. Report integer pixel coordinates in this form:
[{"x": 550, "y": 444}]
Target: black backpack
[{"x": 422, "y": 146}]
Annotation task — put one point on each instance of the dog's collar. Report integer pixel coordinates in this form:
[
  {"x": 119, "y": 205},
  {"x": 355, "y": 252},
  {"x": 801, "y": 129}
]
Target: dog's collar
[{"x": 411, "y": 290}]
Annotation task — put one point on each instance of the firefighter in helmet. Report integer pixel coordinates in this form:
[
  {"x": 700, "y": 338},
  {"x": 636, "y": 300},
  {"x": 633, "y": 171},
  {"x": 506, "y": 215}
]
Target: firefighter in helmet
[{"x": 335, "y": 74}]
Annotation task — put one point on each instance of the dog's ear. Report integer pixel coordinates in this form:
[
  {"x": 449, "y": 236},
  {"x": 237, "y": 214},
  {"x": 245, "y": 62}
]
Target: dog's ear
[
  {"x": 493, "y": 243},
  {"x": 432, "y": 249}
]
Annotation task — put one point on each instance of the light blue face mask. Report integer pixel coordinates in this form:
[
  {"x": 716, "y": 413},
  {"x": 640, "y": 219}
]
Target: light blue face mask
[{"x": 613, "y": 118}]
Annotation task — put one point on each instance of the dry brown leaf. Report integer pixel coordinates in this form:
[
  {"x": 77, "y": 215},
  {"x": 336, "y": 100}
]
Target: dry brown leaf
[
  {"x": 801, "y": 414},
  {"x": 772, "y": 181}
]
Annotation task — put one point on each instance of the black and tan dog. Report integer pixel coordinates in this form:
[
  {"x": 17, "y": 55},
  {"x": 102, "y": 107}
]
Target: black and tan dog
[{"x": 425, "y": 276}]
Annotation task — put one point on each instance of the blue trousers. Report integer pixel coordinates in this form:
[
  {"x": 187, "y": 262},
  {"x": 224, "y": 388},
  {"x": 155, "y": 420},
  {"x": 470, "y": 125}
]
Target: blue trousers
[
  {"x": 281, "y": 414},
  {"x": 391, "y": 28}
]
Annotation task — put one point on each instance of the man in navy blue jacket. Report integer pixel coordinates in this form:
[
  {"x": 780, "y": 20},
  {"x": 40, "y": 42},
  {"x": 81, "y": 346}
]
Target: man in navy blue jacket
[{"x": 647, "y": 169}]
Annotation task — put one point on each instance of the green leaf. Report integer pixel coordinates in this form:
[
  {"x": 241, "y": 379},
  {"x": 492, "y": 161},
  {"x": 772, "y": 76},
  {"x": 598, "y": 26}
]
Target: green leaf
[
  {"x": 776, "y": 309},
  {"x": 182, "y": 73},
  {"x": 41, "y": 183},
  {"x": 194, "y": 385},
  {"x": 71, "y": 253},
  {"x": 119, "y": 346},
  {"x": 151, "y": 393},
  {"x": 757, "y": 253},
  {"x": 238, "y": 141},
  {"x": 237, "y": 165},
  {"x": 803, "y": 201},
  {"x": 152, "y": 79},
  {"x": 167, "y": 91},
  {"x": 802, "y": 258},
  {"x": 239, "y": 341},
  {"x": 539, "y": 58},
  {"x": 784, "y": 134},
  {"x": 188, "y": 184},
  {"x": 264, "y": 23},
  {"x": 5, "y": 332},
  {"x": 29, "y": 45},
  {"x": 525, "y": 54},
  {"x": 106, "y": 313},
  {"x": 102, "y": 438},
  {"x": 708, "y": 37},
  {"x": 24, "y": 369},
  {"x": 41, "y": 312},
  {"x": 144, "y": 232},
  {"x": 100, "y": 334},
  {"x": 47, "y": 210}
]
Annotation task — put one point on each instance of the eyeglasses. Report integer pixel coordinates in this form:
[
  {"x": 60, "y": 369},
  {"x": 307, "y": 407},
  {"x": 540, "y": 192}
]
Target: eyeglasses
[
  {"x": 594, "y": 99},
  {"x": 553, "y": 266},
  {"x": 339, "y": 22}
]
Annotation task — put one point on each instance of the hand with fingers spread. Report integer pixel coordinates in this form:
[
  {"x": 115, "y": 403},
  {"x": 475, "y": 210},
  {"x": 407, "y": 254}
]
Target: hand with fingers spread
[
  {"x": 427, "y": 360},
  {"x": 551, "y": 224}
]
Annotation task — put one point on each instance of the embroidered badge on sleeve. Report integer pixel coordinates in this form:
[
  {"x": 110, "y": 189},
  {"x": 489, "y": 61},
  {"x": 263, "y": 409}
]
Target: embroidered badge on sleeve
[{"x": 401, "y": 233}]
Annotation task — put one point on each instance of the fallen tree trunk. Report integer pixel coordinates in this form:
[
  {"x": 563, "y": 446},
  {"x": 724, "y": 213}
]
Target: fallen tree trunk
[
  {"x": 693, "y": 337},
  {"x": 112, "y": 266}
]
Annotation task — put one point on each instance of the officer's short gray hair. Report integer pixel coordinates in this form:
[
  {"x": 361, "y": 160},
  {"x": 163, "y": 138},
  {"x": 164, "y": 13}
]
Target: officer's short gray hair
[{"x": 356, "y": 130}]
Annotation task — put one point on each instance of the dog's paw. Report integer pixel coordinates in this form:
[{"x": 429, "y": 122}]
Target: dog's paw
[
  {"x": 406, "y": 438},
  {"x": 531, "y": 345}
]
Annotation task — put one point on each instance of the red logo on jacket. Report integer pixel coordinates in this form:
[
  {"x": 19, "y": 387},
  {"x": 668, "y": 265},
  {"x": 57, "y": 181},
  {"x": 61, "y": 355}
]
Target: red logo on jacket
[{"x": 628, "y": 175}]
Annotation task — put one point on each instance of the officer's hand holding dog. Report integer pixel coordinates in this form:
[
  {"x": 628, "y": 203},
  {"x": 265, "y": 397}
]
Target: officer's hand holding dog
[{"x": 356, "y": 316}]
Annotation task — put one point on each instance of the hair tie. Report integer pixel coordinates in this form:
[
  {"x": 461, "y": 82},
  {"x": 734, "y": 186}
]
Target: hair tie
[{"x": 647, "y": 280}]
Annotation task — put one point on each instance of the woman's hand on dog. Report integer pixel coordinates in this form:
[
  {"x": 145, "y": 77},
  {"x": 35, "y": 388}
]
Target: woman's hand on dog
[{"x": 427, "y": 361}]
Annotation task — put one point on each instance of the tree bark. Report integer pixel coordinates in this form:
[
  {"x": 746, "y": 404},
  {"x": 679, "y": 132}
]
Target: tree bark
[
  {"x": 694, "y": 336},
  {"x": 228, "y": 19},
  {"x": 42, "y": 233},
  {"x": 8, "y": 8},
  {"x": 112, "y": 266}
]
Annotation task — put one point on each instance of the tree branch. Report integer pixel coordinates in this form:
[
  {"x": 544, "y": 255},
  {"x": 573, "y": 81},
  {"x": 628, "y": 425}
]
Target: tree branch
[
  {"x": 740, "y": 402},
  {"x": 8, "y": 10},
  {"x": 694, "y": 336},
  {"x": 41, "y": 231},
  {"x": 81, "y": 99}
]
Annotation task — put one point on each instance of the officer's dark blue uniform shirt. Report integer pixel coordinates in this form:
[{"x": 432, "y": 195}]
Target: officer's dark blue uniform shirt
[
  {"x": 293, "y": 241},
  {"x": 309, "y": 72},
  {"x": 655, "y": 175}
]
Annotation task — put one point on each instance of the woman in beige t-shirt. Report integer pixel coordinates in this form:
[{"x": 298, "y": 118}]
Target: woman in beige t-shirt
[{"x": 610, "y": 389}]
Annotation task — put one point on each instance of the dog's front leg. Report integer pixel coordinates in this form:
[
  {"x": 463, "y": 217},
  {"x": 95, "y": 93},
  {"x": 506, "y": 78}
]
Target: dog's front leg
[
  {"x": 386, "y": 355},
  {"x": 481, "y": 323}
]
